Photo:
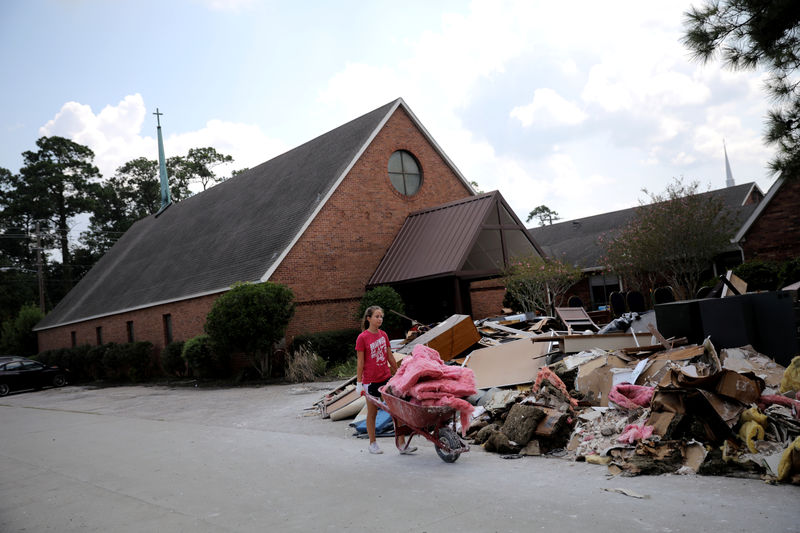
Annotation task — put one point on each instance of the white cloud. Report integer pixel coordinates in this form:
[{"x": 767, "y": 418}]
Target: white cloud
[
  {"x": 115, "y": 136},
  {"x": 548, "y": 109},
  {"x": 229, "y": 5}
]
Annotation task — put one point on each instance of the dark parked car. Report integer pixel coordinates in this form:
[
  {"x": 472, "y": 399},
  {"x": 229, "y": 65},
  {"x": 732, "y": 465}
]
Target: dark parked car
[{"x": 21, "y": 373}]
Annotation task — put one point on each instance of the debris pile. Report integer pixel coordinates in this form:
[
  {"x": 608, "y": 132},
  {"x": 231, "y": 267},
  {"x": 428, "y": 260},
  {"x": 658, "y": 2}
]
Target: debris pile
[
  {"x": 627, "y": 398},
  {"x": 677, "y": 410}
]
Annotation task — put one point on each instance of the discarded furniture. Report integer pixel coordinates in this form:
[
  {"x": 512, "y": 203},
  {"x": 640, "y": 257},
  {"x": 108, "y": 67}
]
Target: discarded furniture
[
  {"x": 601, "y": 317},
  {"x": 663, "y": 295},
  {"x": 635, "y": 302},
  {"x": 607, "y": 342},
  {"x": 575, "y": 318},
  {"x": 617, "y": 302},
  {"x": 450, "y": 338},
  {"x": 574, "y": 301}
]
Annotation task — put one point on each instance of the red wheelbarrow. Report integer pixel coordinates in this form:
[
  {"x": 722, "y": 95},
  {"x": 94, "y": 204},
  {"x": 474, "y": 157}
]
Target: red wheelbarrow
[{"x": 435, "y": 423}]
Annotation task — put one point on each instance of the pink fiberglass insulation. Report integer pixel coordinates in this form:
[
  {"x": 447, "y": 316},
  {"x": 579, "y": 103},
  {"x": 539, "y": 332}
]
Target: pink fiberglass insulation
[
  {"x": 770, "y": 399},
  {"x": 632, "y": 433},
  {"x": 630, "y": 396},
  {"x": 424, "y": 379}
]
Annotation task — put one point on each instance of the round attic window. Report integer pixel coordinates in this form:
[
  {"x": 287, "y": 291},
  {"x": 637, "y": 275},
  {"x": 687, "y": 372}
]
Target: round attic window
[{"x": 404, "y": 173}]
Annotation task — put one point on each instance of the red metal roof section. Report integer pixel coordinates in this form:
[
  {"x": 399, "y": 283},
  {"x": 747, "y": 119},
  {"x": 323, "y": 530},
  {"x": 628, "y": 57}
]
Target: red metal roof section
[{"x": 434, "y": 242}]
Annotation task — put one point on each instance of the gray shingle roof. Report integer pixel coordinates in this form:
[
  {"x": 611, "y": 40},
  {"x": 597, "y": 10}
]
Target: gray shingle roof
[
  {"x": 235, "y": 231},
  {"x": 576, "y": 241}
]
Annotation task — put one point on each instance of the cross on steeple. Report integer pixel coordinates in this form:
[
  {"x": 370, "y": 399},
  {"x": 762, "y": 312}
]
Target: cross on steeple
[{"x": 158, "y": 117}]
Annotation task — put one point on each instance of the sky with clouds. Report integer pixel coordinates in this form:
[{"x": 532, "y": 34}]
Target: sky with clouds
[{"x": 574, "y": 105}]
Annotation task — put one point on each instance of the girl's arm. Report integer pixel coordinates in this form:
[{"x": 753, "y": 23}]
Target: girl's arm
[
  {"x": 360, "y": 365},
  {"x": 391, "y": 359}
]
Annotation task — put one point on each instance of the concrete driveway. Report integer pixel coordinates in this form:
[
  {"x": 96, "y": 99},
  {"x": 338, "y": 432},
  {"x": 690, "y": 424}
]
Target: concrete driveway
[{"x": 156, "y": 458}]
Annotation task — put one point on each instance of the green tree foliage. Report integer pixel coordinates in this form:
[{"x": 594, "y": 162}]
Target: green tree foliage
[
  {"x": 333, "y": 346},
  {"x": 172, "y": 360},
  {"x": 250, "y": 318},
  {"x": 544, "y": 214},
  {"x": 16, "y": 224},
  {"x": 539, "y": 285},
  {"x": 749, "y": 34},
  {"x": 676, "y": 237},
  {"x": 56, "y": 183},
  {"x": 389, "y": 300},
  {"x": 198, "y": 166},
  {"x": 759, "y": 275},
  {"x": 17, "y": 336},
  {"x": 790, "y": 272},
  {"x": 130, "y": 361}
]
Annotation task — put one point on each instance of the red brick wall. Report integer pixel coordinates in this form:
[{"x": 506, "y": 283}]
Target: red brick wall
[
  {"x": 487, "y": 298},
  {"x": 331, "y": 263},
  {"x": 775, "y": 235},
  {"x": 188, "y": 317}
]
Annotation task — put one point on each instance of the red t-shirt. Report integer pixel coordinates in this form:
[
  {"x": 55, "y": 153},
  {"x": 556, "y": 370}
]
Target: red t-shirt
[{"x": 376, "y": 348}]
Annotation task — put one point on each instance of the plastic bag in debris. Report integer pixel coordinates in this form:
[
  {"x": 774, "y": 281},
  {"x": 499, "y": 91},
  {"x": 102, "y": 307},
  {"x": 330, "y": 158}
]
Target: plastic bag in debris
[
  {"x": 619, "y": 325},
  {"x": 383, "y": 423}
]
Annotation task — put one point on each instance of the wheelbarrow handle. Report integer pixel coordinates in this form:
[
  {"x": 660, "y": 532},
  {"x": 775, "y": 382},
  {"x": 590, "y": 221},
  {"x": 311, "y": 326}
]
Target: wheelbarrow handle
[{"x": 375, "y": 400}]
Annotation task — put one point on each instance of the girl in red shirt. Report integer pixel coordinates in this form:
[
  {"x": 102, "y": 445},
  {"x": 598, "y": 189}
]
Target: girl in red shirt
[{"x": 376, "y": 364}]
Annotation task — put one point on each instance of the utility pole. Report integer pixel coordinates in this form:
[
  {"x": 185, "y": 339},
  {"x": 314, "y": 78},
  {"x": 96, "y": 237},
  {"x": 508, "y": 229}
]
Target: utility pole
[{"x": 39, "y": 267}]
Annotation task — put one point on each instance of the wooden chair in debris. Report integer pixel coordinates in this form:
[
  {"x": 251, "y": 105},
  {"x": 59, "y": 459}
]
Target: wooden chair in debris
[
  {"x": 663, "y": 295},
  {"x": 617, "y": 302},
  {"x": 574, "y": 301},
  {"x": 635, "y": 302},
  {"x": 576, "y": 318}
]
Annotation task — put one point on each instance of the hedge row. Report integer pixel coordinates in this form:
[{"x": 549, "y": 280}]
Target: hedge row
[{"x": 121, "y": 362}]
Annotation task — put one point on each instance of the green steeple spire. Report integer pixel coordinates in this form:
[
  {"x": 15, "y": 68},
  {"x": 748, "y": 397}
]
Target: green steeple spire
[{"x": 162, "y": 168}]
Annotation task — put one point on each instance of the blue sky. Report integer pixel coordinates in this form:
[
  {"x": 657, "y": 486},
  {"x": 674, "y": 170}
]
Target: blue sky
[{"x": 578, "y": 106}]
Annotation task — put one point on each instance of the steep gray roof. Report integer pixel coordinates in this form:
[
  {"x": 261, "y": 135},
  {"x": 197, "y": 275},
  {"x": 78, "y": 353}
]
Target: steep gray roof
[
  {"x": 239, "y": 230},
  {"x": 773, "y": 190},
  {"x": 576, "y": 241}
]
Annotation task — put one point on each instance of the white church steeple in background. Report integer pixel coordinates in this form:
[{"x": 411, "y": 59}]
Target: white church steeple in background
[{"x": 728, "y": 174}]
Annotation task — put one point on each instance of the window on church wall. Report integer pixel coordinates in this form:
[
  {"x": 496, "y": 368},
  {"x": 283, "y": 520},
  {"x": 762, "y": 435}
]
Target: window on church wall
[
  {"x": 167, "y": 329},
  {"x": 98, "y": 331},
  {"x": 73, "y": 339},
  {"x": 405, "y": 173},
  {"x": 601, "y": 286},
  {"x": 129, "y": 325}
]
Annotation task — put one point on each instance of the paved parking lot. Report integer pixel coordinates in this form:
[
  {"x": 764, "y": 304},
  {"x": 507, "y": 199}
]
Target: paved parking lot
[{"x": 156, "y": 458}]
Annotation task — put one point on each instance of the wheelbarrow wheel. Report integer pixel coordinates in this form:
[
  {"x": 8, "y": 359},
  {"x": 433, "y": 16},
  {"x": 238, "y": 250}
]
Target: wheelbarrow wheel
[{"x": 449, "y": 438}]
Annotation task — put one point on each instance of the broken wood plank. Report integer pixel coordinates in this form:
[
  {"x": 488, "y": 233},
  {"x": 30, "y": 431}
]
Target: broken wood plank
[{"x": 659, "y": 337}]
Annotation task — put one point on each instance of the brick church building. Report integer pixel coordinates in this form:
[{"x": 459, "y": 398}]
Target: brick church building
[{"x": 373, "y": 202}]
